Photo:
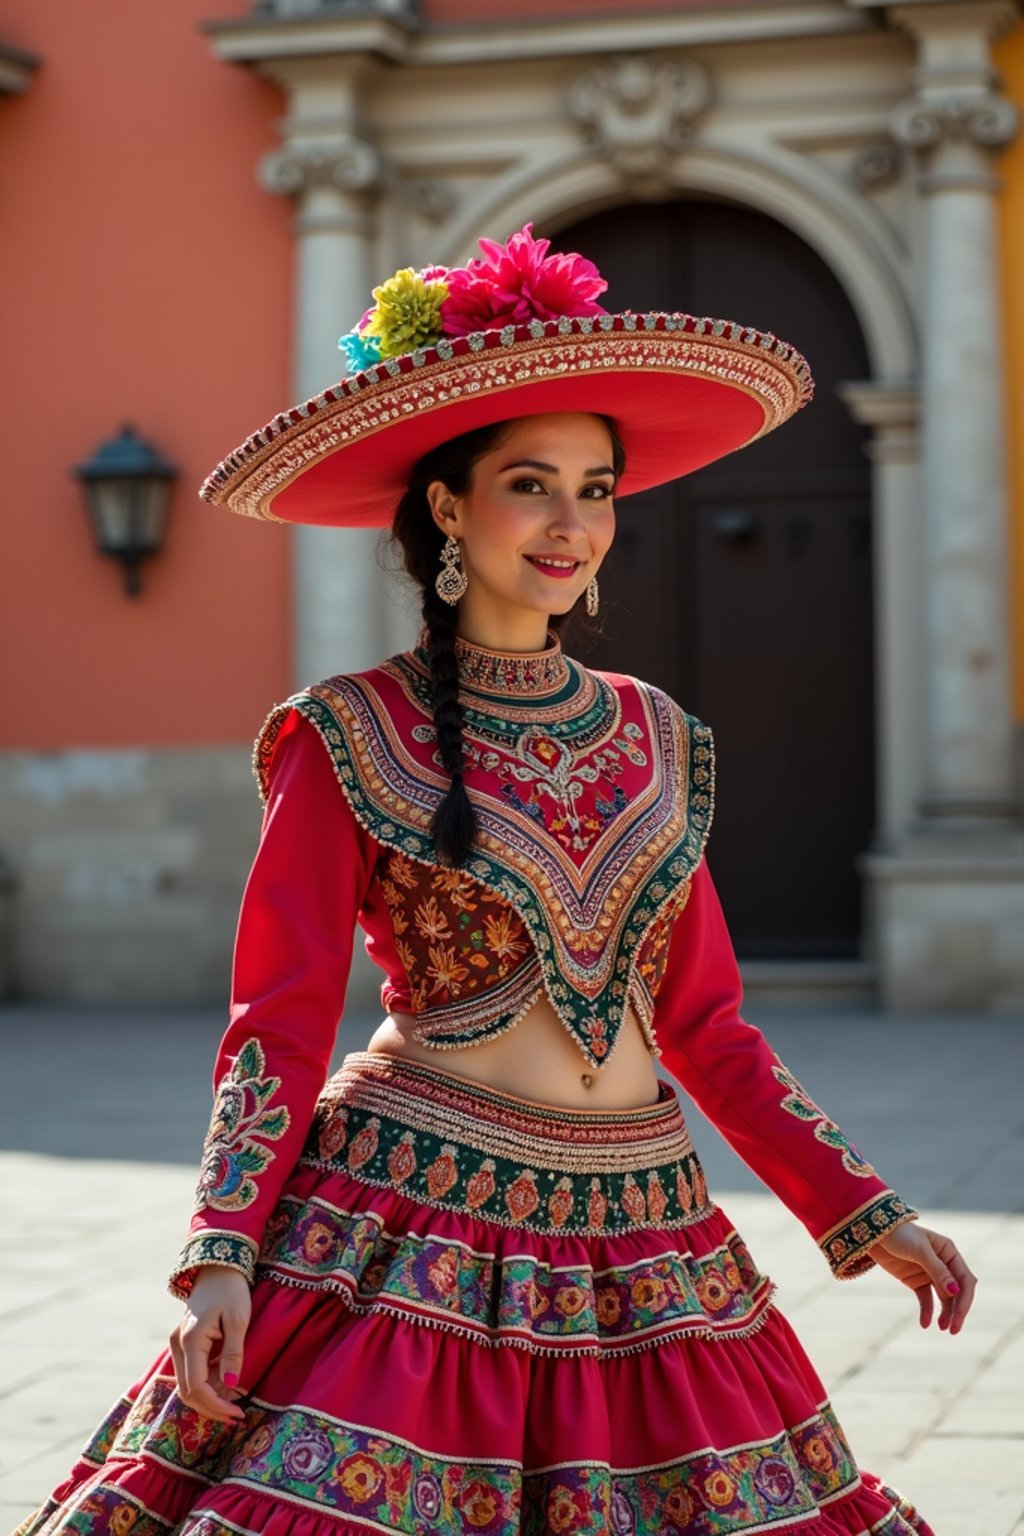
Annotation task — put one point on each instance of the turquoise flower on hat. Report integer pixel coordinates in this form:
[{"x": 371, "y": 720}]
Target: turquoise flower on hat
[{"x": 361, "y": 350}]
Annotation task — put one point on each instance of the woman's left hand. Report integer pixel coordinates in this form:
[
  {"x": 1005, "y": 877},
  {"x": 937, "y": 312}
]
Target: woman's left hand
[{"x": 931, "y": 1265}]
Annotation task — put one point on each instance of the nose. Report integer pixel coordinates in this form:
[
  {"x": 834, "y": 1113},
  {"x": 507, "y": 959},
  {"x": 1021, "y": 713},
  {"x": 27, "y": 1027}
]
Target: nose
[{"x": 566, "y": 521}]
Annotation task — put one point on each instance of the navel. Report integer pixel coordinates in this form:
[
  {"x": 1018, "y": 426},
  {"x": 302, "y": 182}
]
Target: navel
[{"x": 586, "y": 1079}]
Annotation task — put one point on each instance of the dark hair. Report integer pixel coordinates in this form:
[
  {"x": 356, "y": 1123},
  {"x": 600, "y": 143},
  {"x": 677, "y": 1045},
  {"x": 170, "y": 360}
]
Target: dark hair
[{"x": 420, "y": 541}]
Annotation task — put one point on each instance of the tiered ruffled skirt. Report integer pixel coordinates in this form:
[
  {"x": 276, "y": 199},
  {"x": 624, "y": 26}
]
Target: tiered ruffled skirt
[{"x": 476, "y": 1316}]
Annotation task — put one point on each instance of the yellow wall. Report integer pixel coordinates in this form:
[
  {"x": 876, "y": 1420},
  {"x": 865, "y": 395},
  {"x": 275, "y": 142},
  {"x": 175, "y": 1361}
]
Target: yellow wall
[{"x": 1010, "y": 61}]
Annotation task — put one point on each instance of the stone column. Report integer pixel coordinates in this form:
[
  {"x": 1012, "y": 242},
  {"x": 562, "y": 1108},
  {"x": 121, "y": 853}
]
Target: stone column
[
  {"x": 954, "y": 122},
  {"x": 333, "y": 172},
  {"x": 946, "y": 887},
  {"x": 891, "y": 409}
]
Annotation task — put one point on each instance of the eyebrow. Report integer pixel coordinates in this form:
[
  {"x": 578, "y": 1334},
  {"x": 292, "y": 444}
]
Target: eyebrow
[{"x": 552, "y": 469}]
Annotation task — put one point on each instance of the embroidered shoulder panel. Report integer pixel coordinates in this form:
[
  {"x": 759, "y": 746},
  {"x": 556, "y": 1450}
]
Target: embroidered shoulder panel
[{"x": 592, "y": 810}]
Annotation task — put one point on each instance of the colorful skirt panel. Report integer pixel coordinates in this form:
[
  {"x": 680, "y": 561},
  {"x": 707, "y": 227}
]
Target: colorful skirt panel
[{"x": 477, "y": 1316}]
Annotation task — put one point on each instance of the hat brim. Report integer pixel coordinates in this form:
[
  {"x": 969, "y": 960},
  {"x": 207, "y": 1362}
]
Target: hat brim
[{"x": 682, "y": 392}]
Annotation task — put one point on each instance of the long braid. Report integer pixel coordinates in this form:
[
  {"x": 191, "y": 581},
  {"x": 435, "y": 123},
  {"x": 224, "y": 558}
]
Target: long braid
[{"x": 454, "y": 822}]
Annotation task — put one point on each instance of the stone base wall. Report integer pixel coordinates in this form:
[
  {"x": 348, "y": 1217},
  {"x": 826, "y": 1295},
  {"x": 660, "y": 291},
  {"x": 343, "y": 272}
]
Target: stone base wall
[
  {"x": 123, "y": 872},
  {"x": 950, "y": 926}
]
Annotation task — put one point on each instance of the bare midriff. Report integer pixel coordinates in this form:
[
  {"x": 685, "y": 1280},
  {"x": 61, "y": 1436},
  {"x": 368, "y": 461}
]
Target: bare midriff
[{"x": 537, "y": 1059}]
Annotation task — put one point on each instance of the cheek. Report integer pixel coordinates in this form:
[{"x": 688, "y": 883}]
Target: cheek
[
  {"x": 603, "y": 532},
  {"x": 507, "y": 529}
]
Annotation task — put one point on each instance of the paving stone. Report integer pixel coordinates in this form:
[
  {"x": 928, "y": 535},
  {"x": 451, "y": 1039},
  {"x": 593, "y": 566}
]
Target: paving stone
[
  {"x": 84, "y": 1309},
  {"x": 966, "y": 1487}
]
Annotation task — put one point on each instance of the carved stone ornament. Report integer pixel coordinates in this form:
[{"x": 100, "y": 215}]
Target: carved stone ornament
[
  {"x": 986, "y": 121},
  {"x": 434, "y": 201},
  {"x": 640, "y": 111},
  {"x": 349, "y": 165},
  {"x": 875, "y": 166}
]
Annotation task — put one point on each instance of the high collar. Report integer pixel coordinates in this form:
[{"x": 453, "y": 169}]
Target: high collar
[{"x": 515, "y": 674}]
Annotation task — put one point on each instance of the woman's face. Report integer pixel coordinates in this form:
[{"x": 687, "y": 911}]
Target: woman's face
[{"x": 543, "y": 495}]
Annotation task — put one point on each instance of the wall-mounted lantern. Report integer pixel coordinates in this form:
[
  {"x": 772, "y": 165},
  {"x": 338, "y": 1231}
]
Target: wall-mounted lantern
[{"x": 127, "y": 490}]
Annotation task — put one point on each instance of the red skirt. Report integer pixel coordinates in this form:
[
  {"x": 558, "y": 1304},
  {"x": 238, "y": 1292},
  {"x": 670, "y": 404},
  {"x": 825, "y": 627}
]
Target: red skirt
[{"x": 477, "y": 1316}]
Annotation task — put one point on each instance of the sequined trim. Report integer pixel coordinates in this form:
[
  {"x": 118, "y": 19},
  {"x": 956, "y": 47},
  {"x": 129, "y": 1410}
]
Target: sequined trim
[
  {"x": 228, "y": 1250},
  {"x": 846, "y": 1246},
  {"x": 755, "y": 363},
  {"x": 448, "y": 1142},
  {"x": 579, "y": 705},
  {"x": 522, "y": 674},
  {"x": 519, "y": 1300}
]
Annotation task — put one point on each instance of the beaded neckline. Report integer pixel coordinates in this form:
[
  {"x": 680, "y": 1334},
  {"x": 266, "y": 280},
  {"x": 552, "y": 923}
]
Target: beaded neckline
[{"x": 519, "y": 674}]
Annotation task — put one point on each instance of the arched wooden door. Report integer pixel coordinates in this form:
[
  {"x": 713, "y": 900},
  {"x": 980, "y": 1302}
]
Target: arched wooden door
[{"x": 745, "y": 589}]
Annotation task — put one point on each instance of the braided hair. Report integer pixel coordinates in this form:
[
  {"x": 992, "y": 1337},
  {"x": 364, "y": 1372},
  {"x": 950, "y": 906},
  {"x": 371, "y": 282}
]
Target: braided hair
[{"x": 420, "y": 540}]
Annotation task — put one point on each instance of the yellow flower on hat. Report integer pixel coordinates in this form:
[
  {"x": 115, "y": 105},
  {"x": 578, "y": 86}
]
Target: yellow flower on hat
[{"x": 408, "y": 313}]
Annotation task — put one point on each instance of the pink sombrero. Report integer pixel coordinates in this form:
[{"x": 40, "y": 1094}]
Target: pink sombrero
[{"x": 515, "y": 333}]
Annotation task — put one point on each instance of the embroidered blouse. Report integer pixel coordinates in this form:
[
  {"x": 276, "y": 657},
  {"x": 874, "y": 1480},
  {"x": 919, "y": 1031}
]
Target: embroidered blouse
[{"x": 593, "y": 793}]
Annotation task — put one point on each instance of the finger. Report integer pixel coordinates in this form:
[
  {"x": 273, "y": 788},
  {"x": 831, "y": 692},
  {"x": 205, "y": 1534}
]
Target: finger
[
  {"x": 232, "y": 1353},
  {"x": 925, "y": 1302},
  {"x": 935, "y": 1262},
  {"x": 178, "y": 1356},
  {"x": 968, "y": 1284},
  {"x": 205, "y": 1400},
  {"x": 198, "y": 1341}
]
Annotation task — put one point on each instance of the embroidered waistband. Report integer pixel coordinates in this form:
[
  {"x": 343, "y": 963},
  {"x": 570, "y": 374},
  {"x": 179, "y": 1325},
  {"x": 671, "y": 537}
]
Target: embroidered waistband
[{"x": 450, "y": 1142}]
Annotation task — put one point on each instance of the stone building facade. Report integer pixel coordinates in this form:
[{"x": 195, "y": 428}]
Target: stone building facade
[{"x": 875, "y": 133}]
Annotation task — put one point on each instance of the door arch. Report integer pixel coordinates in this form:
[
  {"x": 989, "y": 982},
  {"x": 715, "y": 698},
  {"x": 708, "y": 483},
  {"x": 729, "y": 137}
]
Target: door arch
[{"x": 745, "y": 589}]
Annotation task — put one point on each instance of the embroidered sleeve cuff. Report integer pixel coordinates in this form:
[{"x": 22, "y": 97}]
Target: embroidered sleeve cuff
[
  {"x": 230, "y": 1250},
  {"x": 846, "y": 1246}
]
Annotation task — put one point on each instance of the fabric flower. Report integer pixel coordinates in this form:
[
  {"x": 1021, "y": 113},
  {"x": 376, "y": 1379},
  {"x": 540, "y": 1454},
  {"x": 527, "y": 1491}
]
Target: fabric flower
[
  {"x": 408, "y": 312},
  {"x": 305, "y": 1455},
  {"x": 513, "y": 283},
  {"x": 361, "y": 351}
]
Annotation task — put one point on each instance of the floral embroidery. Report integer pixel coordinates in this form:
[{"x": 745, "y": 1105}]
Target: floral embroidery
[
  {"x": 232, "y": 1157},
  {"x": 846, "y": 1245},
  {"x": 458, "y": 956},
  {"x": 325, "y": 1464},
  {"x": 443, "y": 1152},
  {"x": 107, "y": 1510},
  {"x": 98, "y": 1447},
  {"x": 799, "y": 1103}
]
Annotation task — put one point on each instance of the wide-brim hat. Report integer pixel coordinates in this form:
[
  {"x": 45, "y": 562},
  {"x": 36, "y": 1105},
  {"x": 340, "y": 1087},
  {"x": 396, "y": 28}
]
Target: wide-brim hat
[{"x": 682, "y": 390}]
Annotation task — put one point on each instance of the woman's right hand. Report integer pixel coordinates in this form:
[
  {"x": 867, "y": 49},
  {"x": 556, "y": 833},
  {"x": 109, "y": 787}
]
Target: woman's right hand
[{"x": 216, "y": 1313}]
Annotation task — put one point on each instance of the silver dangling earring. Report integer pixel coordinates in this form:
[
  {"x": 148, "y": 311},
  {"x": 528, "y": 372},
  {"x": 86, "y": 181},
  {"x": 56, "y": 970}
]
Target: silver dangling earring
[
  {"x": 452, "y": 580},
  {"x": 593, "y": 598}
]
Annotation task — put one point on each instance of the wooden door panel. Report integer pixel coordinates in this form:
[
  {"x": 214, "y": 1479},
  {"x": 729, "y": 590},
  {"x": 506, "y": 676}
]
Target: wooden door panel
[{"x": 745, "y": 589}]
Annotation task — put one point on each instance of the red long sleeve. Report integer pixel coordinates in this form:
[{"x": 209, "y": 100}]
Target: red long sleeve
[
  {"x": 735, "y": 1078},
  {"x": 293, "y": 951}
]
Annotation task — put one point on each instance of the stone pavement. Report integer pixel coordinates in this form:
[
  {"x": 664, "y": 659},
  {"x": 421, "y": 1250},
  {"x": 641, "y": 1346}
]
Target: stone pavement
[{"x": 102, "y": 1114}]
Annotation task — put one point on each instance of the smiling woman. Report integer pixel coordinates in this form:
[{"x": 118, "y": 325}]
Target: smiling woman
[
  {"x": 498, "y": 1299},
  {"x": 507, "y": 500},
  {"x": 537, "y": 498}
]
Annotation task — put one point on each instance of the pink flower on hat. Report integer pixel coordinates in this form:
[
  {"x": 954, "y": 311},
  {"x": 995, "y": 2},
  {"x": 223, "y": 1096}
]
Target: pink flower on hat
[{"x": 513, "y": 283}]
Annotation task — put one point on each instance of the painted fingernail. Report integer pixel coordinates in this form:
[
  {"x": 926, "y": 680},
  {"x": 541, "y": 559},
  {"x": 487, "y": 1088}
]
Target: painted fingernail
[
  {"x": 952, "y": 1288},
  {"x": 231, "y": 1378}
]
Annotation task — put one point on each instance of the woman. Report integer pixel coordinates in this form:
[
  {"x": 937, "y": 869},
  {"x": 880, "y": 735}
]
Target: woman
[{"x": 488, "y": 1292}]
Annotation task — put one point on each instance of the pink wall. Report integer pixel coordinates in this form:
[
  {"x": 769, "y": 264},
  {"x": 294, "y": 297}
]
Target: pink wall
[{"x": 144, "y": 277}]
